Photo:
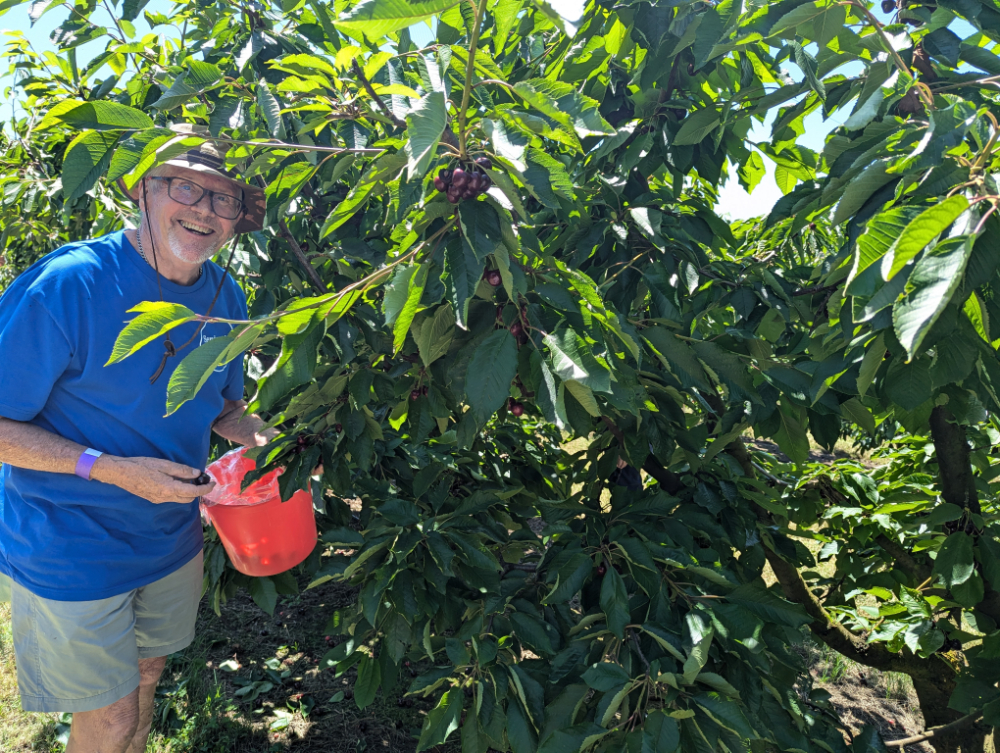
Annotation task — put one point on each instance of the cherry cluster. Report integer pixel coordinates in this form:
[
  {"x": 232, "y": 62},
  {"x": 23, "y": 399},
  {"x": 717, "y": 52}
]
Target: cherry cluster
[
  {"x": 464, "y": 183},
  {"x": 515, "y": 407}
]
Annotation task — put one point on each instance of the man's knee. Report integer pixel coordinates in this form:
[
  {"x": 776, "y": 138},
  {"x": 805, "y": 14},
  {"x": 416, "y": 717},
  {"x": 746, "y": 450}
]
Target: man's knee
[
  {"x": 151, "y": 669},
  {"x": 112, "y": 727}
]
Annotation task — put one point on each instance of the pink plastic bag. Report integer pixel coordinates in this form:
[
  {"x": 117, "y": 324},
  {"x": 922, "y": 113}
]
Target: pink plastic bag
[{"x": 228, "y": 473}]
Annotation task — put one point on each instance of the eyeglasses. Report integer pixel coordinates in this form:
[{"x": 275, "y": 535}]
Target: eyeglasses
[{"x": 186, "y": 192}]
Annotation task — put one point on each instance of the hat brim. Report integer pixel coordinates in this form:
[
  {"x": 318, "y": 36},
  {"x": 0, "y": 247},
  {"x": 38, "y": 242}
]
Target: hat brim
[{"x": 254, "y": 199}]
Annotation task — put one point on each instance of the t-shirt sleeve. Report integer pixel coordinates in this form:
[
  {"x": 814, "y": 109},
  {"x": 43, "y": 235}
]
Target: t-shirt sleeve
[
  {"x": 234, "y": 371},
  {"x": 34, "y": 353}
]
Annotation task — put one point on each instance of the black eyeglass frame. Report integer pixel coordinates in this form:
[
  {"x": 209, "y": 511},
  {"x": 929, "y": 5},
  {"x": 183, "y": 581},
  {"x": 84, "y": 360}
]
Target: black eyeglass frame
[{"x": 241, "y": 205}]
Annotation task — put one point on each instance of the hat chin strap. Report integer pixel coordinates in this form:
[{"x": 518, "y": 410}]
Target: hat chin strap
[{"x": 169, "y": 349}]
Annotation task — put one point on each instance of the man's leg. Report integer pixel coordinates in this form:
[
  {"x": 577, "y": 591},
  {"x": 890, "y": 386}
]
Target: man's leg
[
  {"x": 81, "y": 657},
  {"x": 149, "y": 674},
  {"x": 111, "y": 729}
]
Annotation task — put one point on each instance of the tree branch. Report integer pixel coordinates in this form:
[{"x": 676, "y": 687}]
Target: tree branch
[
  {"x": 919, "y": 572},
  {"x": 823, "y": 626},
  {"x": 943, "y": 731},
  {"x": 954, "y": 467}
]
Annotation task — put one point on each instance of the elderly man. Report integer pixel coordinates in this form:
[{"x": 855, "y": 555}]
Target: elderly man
[{"x": 99, "y": 523}]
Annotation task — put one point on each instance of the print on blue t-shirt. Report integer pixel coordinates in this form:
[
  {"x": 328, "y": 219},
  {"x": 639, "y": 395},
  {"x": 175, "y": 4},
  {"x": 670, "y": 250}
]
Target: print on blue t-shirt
[{"x": 73, "y": 540}]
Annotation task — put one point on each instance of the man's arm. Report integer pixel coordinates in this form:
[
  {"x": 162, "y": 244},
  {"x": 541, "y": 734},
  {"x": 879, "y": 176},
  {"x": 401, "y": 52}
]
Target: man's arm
[
  {"x": 243, "y": 428},
  {"x": 25, "y": 445}
]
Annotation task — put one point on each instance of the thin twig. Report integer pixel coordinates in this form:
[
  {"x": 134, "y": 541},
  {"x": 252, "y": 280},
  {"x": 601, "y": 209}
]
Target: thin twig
[
  {"x": 971, "y": 82},
  {"x": 638, "y": 650},
  {"x": 300, "y": 257},
  {"x": 470, "y": 65},
  {"x": 903, "y": 67},
  {"x": 396, "y": 121},
  {"x": 297, "y": 252},
  {"x": 276, "y": 144}
]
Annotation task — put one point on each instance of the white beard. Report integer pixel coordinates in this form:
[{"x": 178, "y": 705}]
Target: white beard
[
  {"x": 183, "y": 250},
  {"x": 189, "y": 255}
]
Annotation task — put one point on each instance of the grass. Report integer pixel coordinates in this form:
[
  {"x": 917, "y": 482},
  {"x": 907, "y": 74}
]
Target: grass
[{"x": 250, "y": 683}]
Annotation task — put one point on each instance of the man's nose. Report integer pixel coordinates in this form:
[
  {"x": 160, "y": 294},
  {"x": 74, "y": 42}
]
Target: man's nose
[{"x": 206, "y": 199}]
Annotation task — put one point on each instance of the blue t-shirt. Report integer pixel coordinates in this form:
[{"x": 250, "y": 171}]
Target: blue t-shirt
[{"x": 73, "y": 540}]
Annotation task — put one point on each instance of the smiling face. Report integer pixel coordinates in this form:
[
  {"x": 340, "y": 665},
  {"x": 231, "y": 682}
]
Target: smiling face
[{"x": 193, "y": 234}]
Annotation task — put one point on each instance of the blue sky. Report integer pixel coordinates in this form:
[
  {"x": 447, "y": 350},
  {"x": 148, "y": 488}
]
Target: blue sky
[{"x": 734, "y": 202}]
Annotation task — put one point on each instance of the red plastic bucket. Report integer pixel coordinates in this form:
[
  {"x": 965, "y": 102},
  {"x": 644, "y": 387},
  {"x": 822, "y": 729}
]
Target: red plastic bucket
[{"x": 261, "y": 534}]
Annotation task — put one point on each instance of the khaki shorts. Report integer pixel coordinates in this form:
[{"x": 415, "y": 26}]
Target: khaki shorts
[{"x": 84, "y": 655}]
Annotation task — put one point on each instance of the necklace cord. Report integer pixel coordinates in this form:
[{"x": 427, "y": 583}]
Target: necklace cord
[{"x": 168, "y": 346}]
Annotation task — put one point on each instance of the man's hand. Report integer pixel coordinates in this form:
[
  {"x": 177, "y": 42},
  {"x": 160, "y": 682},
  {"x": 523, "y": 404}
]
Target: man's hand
[
  {"x": 238, "y": 426},
  {"x": 152, "y": 479}
]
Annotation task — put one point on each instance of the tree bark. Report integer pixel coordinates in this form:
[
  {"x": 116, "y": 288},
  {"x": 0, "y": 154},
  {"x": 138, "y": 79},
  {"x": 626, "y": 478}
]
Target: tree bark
[{"x": 954, "y": 469}]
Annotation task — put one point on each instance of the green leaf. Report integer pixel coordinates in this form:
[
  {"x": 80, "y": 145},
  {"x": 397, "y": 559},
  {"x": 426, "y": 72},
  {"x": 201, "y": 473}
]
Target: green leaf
[
  {"x": 858, "y": 190},
  {"x": 697, "y": 659},
  {"x": 369, "y": 679},
  {"x": 791, "y": 434},
  {"x": 192, "y": 373},
  {"x": 728, "y": 367},
  {"x": 874, "y": 355},
  {"x": 533, "y": 633},
  {"x": 854, "y": 411},
  {"x": 435, "y": 334},
  {"x": 955, "y": 561},
  {"x": 491, "y": 369},
  {"x": 87, "y": 157},
  {"x": 270, "y": 108},
  {"x": 570, "y": 579},
  {"x": 344, "y": 537},
  {"x": 929, "y": 290},
  {"x": 382, "y": 170},
  {"x": 725, "y": 713},
  {"x": 768, "y": 606},
  {"x": 561, "y": 102},
  {"x": 425, "y": 122},
  {"x": 614, "y": 602},
  {"x": 376, "y": 18},
  {"x": 807, "y": 64},
  {"x": 410, "y": 307},
  {"x": 101, "y": 115},
  {"x": 605, "y": 676},
  {"x": 480, "y": 228},
  {"x": 196, "y": 79},
  {"x": 462, "y": 272},
  {"x": 924, "y": 228},
  {"x": 396, "y": 292},
  {"x": 573, "y": 359},
  {"x": 520, "y": 730},
  {"x": 989, "y": 556},
  {"x": 676, "y": 355},
  {"x": 789, "y": 23},
  {"x": 718, "y": 683},
  {"x": 697, "y": 126},
  {"x": 264, "y": 593},
  {"x": 660, "y": 733},
  {"x": 156, "y": 319},
  {"x": 509, "y": 145}
]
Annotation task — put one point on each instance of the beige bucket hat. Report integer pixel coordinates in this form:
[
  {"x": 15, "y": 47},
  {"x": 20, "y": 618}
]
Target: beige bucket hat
[{"x": 210, "y": 157}]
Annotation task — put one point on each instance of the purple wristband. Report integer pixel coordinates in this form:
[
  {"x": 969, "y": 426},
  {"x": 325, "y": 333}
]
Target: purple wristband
[{"x": 86, "y": 463}]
